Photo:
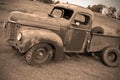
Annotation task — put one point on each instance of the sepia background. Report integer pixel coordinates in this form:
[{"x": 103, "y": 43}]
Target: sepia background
[{"x": 82, "y": 67}]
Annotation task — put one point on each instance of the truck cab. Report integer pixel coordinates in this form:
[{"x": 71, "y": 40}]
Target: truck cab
[{"x": 67, "y": 28}]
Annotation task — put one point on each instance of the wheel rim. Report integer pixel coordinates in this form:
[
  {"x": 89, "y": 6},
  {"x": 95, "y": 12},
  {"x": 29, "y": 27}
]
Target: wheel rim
[
  {"x": 112, "y": 56},
  {"x": 41, "y": 55}
]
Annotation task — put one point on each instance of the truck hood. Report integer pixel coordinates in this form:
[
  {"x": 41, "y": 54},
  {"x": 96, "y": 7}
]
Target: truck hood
[{"x": 35, "y": 20}]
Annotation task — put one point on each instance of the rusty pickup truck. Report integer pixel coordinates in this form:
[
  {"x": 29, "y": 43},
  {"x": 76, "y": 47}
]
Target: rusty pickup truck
[{"x": 67, "y": 28}]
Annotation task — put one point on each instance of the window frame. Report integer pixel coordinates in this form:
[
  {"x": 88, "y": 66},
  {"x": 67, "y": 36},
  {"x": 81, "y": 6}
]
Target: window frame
[
  {"x": 63, "y": 12},
  {"x": 88, "y": 26}
]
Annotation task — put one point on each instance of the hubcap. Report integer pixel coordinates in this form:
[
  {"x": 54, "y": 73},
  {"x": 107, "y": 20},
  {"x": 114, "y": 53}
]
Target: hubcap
[
  {"x": 40, "y": 53},
  {"x": 112, "y": 56}
]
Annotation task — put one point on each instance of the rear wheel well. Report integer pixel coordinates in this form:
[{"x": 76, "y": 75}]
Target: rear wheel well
[{"x": 98, "y": 30}]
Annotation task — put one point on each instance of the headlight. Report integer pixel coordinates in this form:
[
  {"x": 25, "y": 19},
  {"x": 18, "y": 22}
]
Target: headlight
[{"x": 19, "y": 37}]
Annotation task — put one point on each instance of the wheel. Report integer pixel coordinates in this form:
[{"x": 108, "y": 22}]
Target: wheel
[
  {"x": 98, "y": 30},
  {"x": 39, "y": 54},
  {"x": 110, "y": 57}
]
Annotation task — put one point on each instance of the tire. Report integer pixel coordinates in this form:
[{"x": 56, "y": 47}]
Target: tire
[
  {"x": 110, "y": 57},
  {"x": 39, "y": 54},
  {"x": 98, "y": 30}
]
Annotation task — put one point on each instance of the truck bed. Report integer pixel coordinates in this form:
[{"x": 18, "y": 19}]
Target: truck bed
[{"x": 100, "y": 41}]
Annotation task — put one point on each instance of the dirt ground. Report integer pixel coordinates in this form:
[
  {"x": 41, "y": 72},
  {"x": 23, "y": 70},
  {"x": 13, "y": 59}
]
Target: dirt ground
[{"x": 14, "y": 67}]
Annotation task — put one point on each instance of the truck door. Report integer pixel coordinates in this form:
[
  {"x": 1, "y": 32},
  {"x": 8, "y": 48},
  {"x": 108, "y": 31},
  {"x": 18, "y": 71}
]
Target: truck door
[{"x": 78, "y": 33}]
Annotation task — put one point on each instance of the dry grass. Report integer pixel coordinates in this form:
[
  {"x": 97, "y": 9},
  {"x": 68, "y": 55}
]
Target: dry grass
[{"x": 24, "y": 5}]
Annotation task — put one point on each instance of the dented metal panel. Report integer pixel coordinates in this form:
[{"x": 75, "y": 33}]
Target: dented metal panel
[
  {"x": 99, "y": 42},
  {"x": 33, "y": 20}
]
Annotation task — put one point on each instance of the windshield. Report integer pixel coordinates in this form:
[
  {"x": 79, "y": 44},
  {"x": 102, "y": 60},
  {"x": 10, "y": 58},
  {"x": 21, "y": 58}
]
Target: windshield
[{"x": 61, "y": 13}]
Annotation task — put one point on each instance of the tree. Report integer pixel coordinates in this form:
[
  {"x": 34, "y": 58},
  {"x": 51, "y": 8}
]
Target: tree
[
  {"x": 48, "y": 1},
  {"x": 108, "y": 11},
  {"x": 96, "y": 8},
  {"x": 45, "y": 1},
  {"x": 112, "y": 12},
  {"x": 118, "y": 15}
]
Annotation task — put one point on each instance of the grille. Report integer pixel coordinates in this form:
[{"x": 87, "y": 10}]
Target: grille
[{"x": 10, "y": 31}]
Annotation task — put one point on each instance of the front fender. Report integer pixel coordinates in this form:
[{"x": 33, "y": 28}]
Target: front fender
[{"x": 33, "y": 37}]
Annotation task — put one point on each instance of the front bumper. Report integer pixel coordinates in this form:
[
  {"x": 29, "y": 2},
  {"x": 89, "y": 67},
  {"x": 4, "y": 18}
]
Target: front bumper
[{"x": 15, "y": 45}]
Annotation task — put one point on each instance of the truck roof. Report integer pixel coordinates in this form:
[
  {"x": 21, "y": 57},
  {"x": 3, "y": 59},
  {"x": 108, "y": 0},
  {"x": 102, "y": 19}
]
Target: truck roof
[{"x": 75, "y": 8}]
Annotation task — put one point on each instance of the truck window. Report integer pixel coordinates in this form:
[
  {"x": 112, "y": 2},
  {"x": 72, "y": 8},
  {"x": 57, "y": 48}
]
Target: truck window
[
  {"x": 62, "y": 13},
  {"x": 81, "y": 19},
  {"x": 57, "y": 13}
]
